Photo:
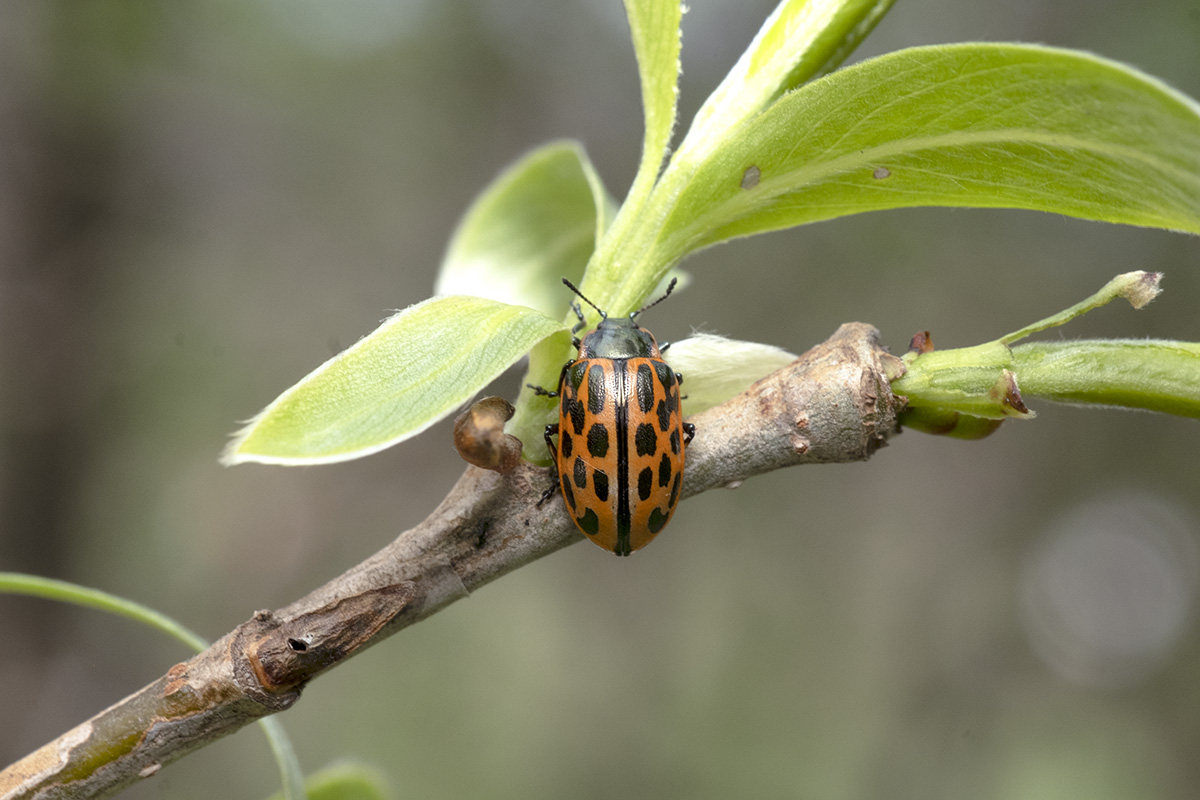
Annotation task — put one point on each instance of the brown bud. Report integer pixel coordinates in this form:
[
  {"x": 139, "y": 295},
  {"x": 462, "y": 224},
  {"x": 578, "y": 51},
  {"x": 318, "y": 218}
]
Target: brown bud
[
  {"x": 921, "y": 342},
  {"x": 480, "y": 439},
  {"x": 1008, "y": 395}
]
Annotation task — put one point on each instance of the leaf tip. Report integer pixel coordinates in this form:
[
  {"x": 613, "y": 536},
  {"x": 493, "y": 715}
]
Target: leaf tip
[{"x": 232, "y": 453}]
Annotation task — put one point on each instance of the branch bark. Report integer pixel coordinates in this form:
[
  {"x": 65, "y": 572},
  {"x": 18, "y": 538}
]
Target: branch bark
[{"x": 833, "y": 404}]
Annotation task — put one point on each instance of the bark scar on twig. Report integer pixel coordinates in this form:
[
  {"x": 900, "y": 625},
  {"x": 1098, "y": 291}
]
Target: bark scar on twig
[{"x": 288, "y": 653}]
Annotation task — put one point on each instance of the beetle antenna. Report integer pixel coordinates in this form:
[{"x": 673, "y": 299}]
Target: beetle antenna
[
  {"x": 670, "y": 287},
  {"x": 575, "y": 289}
]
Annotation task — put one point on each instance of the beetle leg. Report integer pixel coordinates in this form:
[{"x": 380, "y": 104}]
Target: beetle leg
[
  {"x": 689, "y": 432},
  {"x": 543, "y": 392},
  {"x": 662, "y": 348},
  {"x": 579, "y": 315},
  {"x": 551, "y": 430}
]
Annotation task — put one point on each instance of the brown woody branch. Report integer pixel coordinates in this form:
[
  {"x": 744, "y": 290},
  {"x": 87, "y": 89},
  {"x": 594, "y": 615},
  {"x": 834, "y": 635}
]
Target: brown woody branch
[{"x": 833, "y": 404}]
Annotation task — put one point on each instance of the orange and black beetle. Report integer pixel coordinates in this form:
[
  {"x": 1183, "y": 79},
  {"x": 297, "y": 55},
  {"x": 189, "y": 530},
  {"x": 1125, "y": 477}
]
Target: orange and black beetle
[{"x": 621, "y": 434}]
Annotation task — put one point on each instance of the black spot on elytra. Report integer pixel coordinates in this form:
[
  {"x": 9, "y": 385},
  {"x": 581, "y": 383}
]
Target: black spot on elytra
[
  {"x": 600, "y": 486},
  {"x": 645, "y": 388},
  {"x": 664, "y": 471},
  {"x": 674, "y": 493},
  {"x": 646, "y": 439},
  {"x": 675, "y": 442},
  {"x": 580, "y": 473},
  {"x": 573, "y": 408},
  {"x": 664, "y": 416},
  {"x": 673, "y": 401},
  {"x": 589, "y": 522},
  {"x": 575, "y": 374},
  {"x": 597, "y": 440},
  {"x": 596, "y": 389},
  {"x": 645, "y": 483},
  {"x": 657, "y": 520},
  {"x": 665, "y": 376},
  {"x": 566, "y": 444},
  {"x": 568, "y": 493}
]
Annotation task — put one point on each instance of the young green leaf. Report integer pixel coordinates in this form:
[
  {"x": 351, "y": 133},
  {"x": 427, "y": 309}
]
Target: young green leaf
[
  {"x": 654, "y": 25},
  {"x": 800, "y": 39},
  {"x": 413, "y": 370},
  {"x": 618, "y": 276},
  {"x": 537, "y": 222},
  {"x": 986, "y": 125}
]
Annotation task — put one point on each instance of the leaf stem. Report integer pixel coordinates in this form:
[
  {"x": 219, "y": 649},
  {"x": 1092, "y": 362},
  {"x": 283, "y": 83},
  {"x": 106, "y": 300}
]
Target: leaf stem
[
  {"x": 1138, "y": 287},
  {"x": 992, "y": 381}
]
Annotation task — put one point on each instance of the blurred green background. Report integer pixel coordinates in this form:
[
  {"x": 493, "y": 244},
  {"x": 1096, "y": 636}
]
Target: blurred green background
[{"x": 201, "y": 200}]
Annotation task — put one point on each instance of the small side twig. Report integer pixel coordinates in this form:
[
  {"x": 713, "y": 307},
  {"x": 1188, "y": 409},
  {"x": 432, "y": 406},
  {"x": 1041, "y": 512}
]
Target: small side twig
[{"x": 833, "y": 404}]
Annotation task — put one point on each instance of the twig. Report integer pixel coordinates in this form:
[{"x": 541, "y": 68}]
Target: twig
[{"x": 831, "y": 405}]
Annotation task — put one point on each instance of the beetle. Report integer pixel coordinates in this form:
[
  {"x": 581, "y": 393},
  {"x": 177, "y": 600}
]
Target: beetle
[{"x": 621, "y": 435}]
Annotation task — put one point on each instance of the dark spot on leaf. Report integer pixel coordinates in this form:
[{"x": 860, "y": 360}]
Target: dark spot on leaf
[{"x": 751, "y": 177}]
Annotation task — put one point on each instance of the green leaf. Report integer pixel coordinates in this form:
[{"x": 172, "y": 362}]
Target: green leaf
[
  {"x": 985, "y": 125},
  {"x": 413, "y": 370},
  {"x": 539, "y": 221},
  {"x": 800, "y": 39},
  {"x": 618, "y": 277},
  {"x": 654, "y": 25}
]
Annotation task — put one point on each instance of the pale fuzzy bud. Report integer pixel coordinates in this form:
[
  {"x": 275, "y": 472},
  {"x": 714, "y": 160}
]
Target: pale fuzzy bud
[
  {"x": 715, "y": 368},
  {"x": 1139, "y": 288}
]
